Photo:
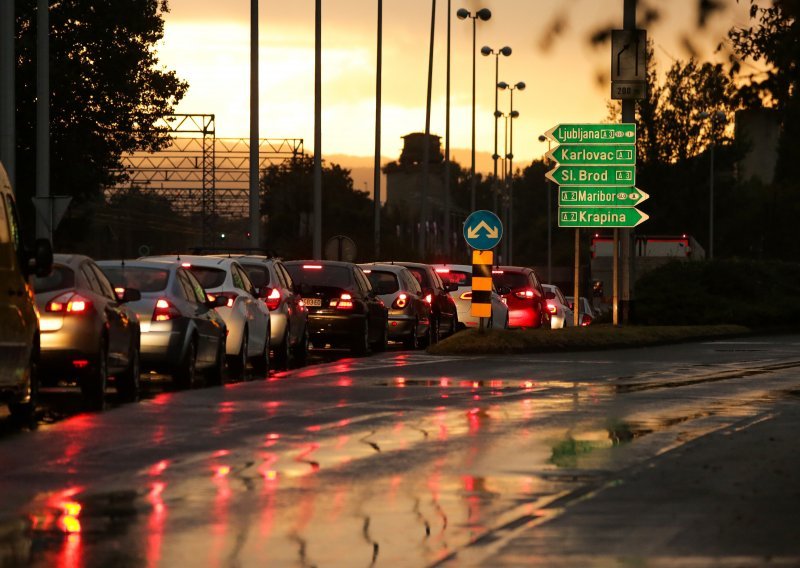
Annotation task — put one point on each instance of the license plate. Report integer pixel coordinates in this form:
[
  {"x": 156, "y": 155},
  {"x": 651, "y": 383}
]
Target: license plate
[{"x": 312, "y": 302}]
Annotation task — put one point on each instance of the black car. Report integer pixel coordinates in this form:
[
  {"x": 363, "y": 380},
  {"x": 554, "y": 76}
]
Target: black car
[
  {"x": 343, "y": 309},
  {"x": 437, "y": 294}
]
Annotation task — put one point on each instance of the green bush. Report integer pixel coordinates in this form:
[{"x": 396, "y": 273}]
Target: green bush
[{"x": 746, "y": 292}]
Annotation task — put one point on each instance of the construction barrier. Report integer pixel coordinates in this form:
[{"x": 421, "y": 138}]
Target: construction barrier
[{"x": 482, "y": 261}]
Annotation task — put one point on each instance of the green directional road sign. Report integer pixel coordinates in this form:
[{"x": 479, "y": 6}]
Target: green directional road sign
[
  {"x": 600, "y": 196},
  {"x": 600, "y": 217},
  {"x": 593, "y": 133},
  {"x": 592, "y": 154},
  {"x": 594, "y": 176}
]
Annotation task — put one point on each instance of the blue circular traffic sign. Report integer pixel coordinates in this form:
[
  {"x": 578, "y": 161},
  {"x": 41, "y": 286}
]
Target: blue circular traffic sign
[{"x": 483, "y": 230}]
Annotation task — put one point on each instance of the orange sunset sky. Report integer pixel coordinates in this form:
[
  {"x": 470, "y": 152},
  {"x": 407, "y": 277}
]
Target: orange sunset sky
[{"x": 207, "y": 43}]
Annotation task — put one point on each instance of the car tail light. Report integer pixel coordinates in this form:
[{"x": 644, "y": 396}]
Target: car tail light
[
  {"x": 586, "y": 320},
  {"x": 68, "y": 303},
  {"x": 274, "y": 299},
  {"x": 165, "y": 311},
  {"x": 312, "y": 267},
  {"x": 552, "y": 308},
  {"x": 401, "y": 301},
  {"x": 466, "y": 296},
  {"x": 526, "y": 294},
  {"x": 429, "y": 298},
  {"x": 442, "y": 271},
  {"x": 344, "y": 302},
  {"x": 230, "y": 296},
  {"x": 498, "y": 272}
]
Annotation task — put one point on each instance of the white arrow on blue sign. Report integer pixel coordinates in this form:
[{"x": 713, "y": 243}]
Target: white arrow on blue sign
[{"x": 483, "y": 230}]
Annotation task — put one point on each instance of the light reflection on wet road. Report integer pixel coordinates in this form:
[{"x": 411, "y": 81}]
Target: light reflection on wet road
[{"x": 395, "y": 460}]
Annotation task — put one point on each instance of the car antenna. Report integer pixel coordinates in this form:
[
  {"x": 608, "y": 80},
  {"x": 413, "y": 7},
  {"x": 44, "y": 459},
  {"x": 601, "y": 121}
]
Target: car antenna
[{"x": 178, "y": 257}]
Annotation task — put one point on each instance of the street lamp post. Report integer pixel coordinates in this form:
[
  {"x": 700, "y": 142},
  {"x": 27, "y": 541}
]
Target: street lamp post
[
  {"x": 542, "y": 138},
  {"x": 715, "y": 118},
  {"x": 483, "y": 14},
  {"x": 487, "y": 51},
  {"x": 502, "y": 85}
]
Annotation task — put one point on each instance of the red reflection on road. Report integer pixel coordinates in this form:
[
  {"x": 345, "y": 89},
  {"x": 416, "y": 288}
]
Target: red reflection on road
[
  {"x": 155, "y": 523},
  {"x": 158, "y": 468},
  {"x": 345, "y": 382},
  {"x": 302, "y": 457}
]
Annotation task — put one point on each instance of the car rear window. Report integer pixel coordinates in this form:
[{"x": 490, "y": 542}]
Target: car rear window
[
  {"x": 258, "y": 274},
  {"x": 383, "y": 282},
  {"x": 137, "y": 277},
  {"x": 208, "y": 277},
  {"x": 421, "y": 276},
  {"x": 510, "y": 279},
  {"x": 61, "y": 277},
  {"x": 320, "y": 275},
  {"x": 457, "y": 277}
]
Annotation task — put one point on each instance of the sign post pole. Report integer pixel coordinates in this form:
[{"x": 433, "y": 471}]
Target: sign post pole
[{"x": 576, "y": 292}]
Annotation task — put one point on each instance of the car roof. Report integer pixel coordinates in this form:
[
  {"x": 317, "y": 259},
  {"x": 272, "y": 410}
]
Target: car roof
[
  {"x": 515, "y": 268},
  {"x": 409, "y": 264},
  {"x": 242, "y": 258},
  {"x": 383, "y": 266},
  {"x": 70, "y": 259},
  {"x": 195, "y": 259},
  {"x": 139, "y": 263},
  {"x": 459, "y": 267},
  {"x": 321, "y": 262}
]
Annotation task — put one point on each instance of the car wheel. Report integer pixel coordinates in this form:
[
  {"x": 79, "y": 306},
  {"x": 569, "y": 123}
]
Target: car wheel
[
  {"x": 283, "y": 353},
  {"x": 128, "y": 382},
  {"x": 216, "y": 375},
  {"x": 185, "y": 375},
  {"x": 93, "y": 385},
  {"x": 300, "y": 350},
  {"x": 360, "y": 344},
  {"x": 24, "y": 413},
  {"x": 381, "y": 345},
  {"x": 238, "y": 363},
  {"x": 261, "y": 362},
  {"x": 412, "y": 341}
]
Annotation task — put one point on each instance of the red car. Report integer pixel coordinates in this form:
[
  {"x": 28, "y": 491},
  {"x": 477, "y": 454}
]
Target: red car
[{"x": 527, "y": 306}]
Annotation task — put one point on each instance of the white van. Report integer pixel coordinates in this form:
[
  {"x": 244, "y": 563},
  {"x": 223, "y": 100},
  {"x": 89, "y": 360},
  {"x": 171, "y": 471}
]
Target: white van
[{"x": 19, "y": 320}]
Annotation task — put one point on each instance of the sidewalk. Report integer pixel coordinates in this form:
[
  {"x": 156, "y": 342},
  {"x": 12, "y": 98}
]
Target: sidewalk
[{"x": 731, "y": 498}]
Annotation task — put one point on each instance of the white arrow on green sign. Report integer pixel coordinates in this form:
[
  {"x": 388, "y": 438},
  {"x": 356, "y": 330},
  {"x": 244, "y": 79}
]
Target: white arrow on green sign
[
  {"x": 593, "y": 133},
  {"x": 592, "y": 154},
  {"x": 601, "y": 196},
  {"x": 600, "y": 217},
  {"x": 593, "y": 175}
]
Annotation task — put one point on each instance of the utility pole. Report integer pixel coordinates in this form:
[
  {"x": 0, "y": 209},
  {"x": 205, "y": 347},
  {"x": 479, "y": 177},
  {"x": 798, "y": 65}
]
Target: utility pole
[
  {"x": 317, "y": 252},
  {"x": 7, "y": 97},
  {"x": 255, "y": 201},
  {"x": 628, "y": 116},
  {"x": 44, "y": 227},
  {"x": 376, "y": 180}
]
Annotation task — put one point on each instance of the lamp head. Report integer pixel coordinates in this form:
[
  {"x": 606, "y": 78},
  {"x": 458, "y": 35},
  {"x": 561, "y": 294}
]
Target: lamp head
[
  {"x": 484, "y": 14},
  {"x": 542, "y": 138},
  {"x": 462, "y": 14},
  {"x": 506, "y": 51},
  {"x": 520, "y": 86},
  {"x": 502, "y": 85},
  {"x": 486, "y": 50},
  {"x": 514, "y": 114}
]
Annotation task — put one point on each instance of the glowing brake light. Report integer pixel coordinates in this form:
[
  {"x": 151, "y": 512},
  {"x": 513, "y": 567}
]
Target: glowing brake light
[
  {"x": 229, "y": 296},
  {"x": 442, "y": 271},
  {"x": 429, "y": 298},
  {"x": 466, "y": 296},
  {"x": 68, "y": 303},
  {"x": 312, "y": 267},
  {"x": 186, "y": 264},
  {"x": 345, "y": 302},
  {"x": 498, "y": 272},
  {"x": 274, "y": 299},
  {"x": 552, "y": 308},
  {"x": 524, "y": 294},
  {"x": 401, "y": 301},
  {"x": 165, "y": 311}
]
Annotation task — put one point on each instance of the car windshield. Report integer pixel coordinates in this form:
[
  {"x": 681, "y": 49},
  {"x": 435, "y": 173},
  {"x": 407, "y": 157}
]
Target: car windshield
[
  {"x": 383, "y": 282},
  {"x": 456, "y": 277},
  {"x": 320, "y": 275},
  {"x": 259, "y": 274},
  {"x": 61, "y": 277},
  {"x": 208, "y": 277},
  {"x": 140, "y": 278},
  {"x": 421, "y": 276},
  {"x": 509, "y": 279}
]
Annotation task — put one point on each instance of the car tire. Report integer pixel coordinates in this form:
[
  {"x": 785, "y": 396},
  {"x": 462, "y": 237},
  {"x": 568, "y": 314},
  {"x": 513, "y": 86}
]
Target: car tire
[
  {"x": 93, "y": 385},
  {"x": 238, "y": 363},
  {"x": 300, "y": 350},
  {"x": 360, "y": 343},
  {"x": 261, "y": 362},
  {"x": 24, "y": 413},
  {"x": 283, "y": 353},
  {"x": 128, "y": 382},
  {"x": 185, "y": 376},
  {"x": 216, "y": 375},
  {"x": 412, "y": 341}
]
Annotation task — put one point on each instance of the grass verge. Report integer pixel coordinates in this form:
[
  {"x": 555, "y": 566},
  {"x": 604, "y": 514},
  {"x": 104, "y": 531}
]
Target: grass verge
[{"x": 602, "y": 336}]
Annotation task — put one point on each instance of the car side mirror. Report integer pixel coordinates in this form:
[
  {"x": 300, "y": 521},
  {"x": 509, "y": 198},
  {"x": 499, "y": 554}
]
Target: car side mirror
[
  {"x": 503, "y": 290},
  {"x": 130, "y": 295},
  {"x": 41, "y": 261},
  {"x": 451, "y": 287}
]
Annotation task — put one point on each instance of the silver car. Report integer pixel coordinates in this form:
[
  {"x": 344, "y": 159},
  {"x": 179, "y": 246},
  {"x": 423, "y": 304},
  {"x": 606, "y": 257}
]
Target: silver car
[
  {"x": 560, "y": 312},
  {"x": 246, "y": 318},
  {"x": 461, "y": 276},
  {"x": 181, "y": 331}
]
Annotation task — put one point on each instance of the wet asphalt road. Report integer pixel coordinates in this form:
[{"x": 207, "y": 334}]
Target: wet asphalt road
[{"x": 399, "y": 459}]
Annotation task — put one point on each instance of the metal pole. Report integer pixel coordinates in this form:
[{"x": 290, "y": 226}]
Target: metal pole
[
  {"x": 628, "y": 115},
  {"x": 44, "y": 227},
  {"x": 255, "y": 202},
  {"x": 495, "y": 189},
  {"x": 615, "y": 279},
  {"x": 473, "y": 181},
  {"x": 7, "y": 94},
  {"x": 447, "y": 145},
  {"x": 503, "y": 208},
  {"x": 510, "y": 185},
  {"x": 576, "y": 288},
  {"x": 711, "y": 205},
  {"x": 426, "y": 149},
  {"x": 376, "y": 181},
  {"x": 549, "y": 225},
  {"x": 318, "y": 131}
]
